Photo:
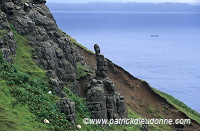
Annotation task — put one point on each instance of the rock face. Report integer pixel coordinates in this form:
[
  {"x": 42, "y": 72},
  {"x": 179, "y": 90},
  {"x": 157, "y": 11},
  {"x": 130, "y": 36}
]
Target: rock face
[
  {"x": 8, "y": 6},
  {"x": 102, "y": 99},
  {"x": 68, "y": 108},
  {"x": 51, "y": 47},
  {"x": 7, "y": 42}
]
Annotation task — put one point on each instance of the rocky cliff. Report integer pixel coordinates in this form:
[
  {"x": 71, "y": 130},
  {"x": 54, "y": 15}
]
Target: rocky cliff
[
  {"x": 50, "y": 47},
  {"x": 53, "y": 50}
]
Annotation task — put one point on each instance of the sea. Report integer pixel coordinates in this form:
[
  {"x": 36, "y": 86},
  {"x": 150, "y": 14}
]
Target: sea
[{"x": 162, "y": 48}]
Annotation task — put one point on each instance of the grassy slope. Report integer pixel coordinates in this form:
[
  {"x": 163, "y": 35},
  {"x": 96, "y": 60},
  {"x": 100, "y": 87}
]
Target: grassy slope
[
  {"x": 18, "y": 117},
  {"x": 25, "y": 90},
  {"x": 179, "y": 105},
  {"x": 23, "y": 58}
]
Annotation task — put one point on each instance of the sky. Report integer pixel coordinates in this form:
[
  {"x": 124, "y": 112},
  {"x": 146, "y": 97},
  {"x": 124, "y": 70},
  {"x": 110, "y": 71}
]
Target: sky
[{"x": 139, "y": 1}]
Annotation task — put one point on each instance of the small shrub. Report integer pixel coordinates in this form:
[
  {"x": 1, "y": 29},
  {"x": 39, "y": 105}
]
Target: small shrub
[
  {"x": 158, "y": 116},
  {"x": 150, "y": 110},
  {"x": 1, "y": 57},
  {"x": 80, "y": 104},
  {"x": 33, "y": 93},
  {"x": 82, "y": 71}
]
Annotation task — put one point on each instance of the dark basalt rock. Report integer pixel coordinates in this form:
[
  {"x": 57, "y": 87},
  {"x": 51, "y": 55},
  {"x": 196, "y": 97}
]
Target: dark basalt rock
[
  {"x": 7, "y": 42},
  {"x": 102, "y": 99},
  {"x": 57, "y": 86},
  {"x": 144, "y": 127},
  {"x": 8, "y": 7},
  {"x": 23, "y": 24},
  {"x": 39, "y": 1},
  {"x": 6, "y": 54},
  {"x": 16, "y": 2},
  {"x": 101, "y": 71},
  {"x": 67, "y": 107},
  {"x": 3, "y": 22},
  {"x": 27, "y": 6}
]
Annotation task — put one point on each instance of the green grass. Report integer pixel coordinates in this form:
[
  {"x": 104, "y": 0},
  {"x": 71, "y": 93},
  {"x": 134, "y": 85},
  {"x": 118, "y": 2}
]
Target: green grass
[
  {"x": 76, "y": 43},
  {"x": 23, "y": 59},
  {"x": 2, "y": 33},
  {"x": 26, "y": 85},
  {"x": 23, "y": 1},
  {"x": 179, "y": 105},
  {"x": 32, "y": 93},
  {"x": 16, "y": 118},
  {"x": 82, "y": 71},
  {"x": 150, "y": 110}
]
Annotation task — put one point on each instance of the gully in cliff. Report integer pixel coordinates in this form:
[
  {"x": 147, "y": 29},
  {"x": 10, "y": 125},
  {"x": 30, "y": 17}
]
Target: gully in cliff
[{"x": 102, "y": 99}]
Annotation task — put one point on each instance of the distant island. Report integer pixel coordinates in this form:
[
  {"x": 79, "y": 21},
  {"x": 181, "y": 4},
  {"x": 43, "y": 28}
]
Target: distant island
[{"x": 131, "y": 7}]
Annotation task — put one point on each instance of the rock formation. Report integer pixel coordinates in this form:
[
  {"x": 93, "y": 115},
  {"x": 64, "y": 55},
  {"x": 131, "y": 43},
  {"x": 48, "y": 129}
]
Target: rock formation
[
  {"x": 51, "y": 48},
  {"x": 68, "y": 108},
  {"x": 7, "y": 42},
  {"x": 102, "y": 99},
  {"x": 101, "y": 63},
  {"x": 8, "y": 6}
]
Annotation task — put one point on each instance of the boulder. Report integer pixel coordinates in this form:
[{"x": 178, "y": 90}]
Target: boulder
[
  {"x": 57, "y": 86},
  {"x": 6, "y": 55},
  {"x": 27, "y": 6},
  {"x": 8, "y": 7},
  {"x": 68, "y": 108},
  {"x": 23, "y": 24}
]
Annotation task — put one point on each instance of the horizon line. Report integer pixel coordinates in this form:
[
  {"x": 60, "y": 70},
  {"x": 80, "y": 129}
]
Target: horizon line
[
  {"x": 130, "y": 2},
  {"x": 137, "y": 12}
]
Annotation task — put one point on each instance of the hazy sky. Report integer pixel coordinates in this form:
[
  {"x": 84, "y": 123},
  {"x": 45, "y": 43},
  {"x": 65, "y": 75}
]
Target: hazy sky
[{"x": 143, "y": 1}]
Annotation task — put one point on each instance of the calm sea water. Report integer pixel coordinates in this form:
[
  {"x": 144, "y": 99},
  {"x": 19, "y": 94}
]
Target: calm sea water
[{"x": 169, "y": 62}]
